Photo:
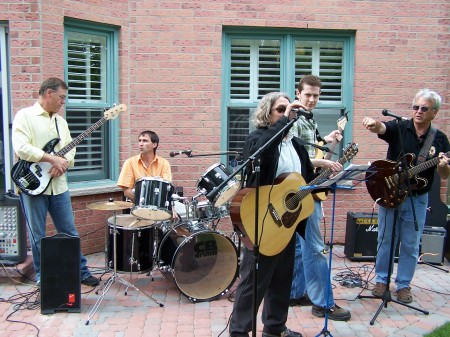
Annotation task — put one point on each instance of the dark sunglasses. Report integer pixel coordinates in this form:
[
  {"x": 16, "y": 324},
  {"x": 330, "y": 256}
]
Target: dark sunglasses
[
  {"x": 423, "y": 108},
  {"x": 281, "y": 109}
]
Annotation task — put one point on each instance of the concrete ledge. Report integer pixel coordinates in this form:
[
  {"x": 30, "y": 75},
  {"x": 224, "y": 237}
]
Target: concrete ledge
[{"x": 19, "y": 270}]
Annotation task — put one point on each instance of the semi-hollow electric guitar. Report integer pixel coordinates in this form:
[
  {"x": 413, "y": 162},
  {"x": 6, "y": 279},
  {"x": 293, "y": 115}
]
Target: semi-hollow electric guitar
[
  {"x": 386, "y": 180},
  {"x": 34, "y": 178},
  {"x": 341, "y": 122},
  {"x": 281, "y": 208}
]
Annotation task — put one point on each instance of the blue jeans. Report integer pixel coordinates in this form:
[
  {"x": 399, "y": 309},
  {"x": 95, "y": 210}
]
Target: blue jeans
[
  {"x": 311, "y": 264},
  {"x": 408, "y": 236},
  {"x": 60, "y": 209}
]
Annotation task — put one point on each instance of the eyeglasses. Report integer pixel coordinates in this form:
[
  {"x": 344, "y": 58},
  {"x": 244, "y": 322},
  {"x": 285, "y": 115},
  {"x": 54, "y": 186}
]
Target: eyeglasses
[
  {"x": 423, "y": 108},
  {"x": 281, "y": 109}
]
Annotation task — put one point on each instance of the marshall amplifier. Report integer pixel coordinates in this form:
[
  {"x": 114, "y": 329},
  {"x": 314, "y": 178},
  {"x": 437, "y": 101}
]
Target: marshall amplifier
[{"x": 361, "y": 236}]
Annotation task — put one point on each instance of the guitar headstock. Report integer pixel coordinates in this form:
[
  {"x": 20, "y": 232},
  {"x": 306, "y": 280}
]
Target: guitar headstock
[
  {"x": 114, "y": 111},
  {"x": 350, "y": 151},
  {"x": 342, "y": 122}
]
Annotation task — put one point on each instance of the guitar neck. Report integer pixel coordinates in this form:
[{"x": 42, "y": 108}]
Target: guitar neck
[
  {"x": 424, "y": 166},
  {"x": 303, "y": 193},
  {"x": 81, "y": 137}
]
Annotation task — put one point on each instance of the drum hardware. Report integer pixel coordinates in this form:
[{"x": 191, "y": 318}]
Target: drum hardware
[{"x": 115, "y": 277}]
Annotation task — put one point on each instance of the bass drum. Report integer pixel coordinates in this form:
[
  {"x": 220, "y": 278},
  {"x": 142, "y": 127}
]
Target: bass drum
[{"x": 202, "y": 263}]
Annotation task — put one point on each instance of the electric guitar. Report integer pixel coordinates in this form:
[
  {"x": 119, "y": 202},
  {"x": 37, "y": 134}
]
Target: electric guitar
[
  {"x": 386, "y": 180},
  {"x": 281, "y": 207},
  {"x": 34, "y": 178},
  {"x": 341, "y": 122}
]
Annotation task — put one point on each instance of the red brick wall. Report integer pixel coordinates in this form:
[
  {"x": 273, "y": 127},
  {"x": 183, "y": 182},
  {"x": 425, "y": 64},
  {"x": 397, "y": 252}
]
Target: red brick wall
[{"x": 171, "y": 67}]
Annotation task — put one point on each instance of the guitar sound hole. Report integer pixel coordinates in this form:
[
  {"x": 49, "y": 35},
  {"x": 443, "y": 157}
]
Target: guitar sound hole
[{"x": 291, "y": 202}]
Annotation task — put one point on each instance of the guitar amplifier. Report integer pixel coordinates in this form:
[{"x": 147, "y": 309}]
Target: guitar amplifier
[
  {"x": 361, "y": 236},
  {"x": 13, "y": 238},
  {"x": 432, "y": 244}
]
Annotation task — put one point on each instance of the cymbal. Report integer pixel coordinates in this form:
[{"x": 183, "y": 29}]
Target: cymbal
[{"x": 110, "y": 205}]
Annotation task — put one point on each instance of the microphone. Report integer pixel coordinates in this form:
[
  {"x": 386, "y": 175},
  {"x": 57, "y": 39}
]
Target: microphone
[
  {"x": 176, "y": 153},
  {"x": 386, "y": 112},
  {"x": 304, "y": 113}
]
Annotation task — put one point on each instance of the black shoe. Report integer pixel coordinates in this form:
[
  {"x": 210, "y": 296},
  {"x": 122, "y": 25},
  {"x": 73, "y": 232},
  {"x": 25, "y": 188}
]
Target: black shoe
[
  {"x": 285, "y": 333},
  {"x": 335, "y": 313},
  {"x": 301, "y": 301},
  {"x": 90, "y": 281}
]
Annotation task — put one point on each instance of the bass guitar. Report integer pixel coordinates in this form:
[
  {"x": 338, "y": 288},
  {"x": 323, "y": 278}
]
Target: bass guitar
[
  {"x": 341, "y": 123},
  {"x": 34, "y": 178},
  {"x": 386, "y": 180},
  {"x": 281, "y": 207}
]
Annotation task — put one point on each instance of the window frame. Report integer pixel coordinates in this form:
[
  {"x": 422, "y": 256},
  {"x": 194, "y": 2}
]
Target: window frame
[
  {"x": 82, "y": 180},
  {"x": 288, "y": 84}
]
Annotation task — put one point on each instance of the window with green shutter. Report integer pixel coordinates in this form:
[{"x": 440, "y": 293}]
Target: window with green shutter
[
  {"x": 90, "y": 52},
  {"x": 266, "y": 61}
]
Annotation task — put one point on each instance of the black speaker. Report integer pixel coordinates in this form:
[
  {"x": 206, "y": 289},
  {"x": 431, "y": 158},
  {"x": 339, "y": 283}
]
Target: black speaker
[
  {"x": 60, "y": 274},
  {"x": 361, "y": 236}
]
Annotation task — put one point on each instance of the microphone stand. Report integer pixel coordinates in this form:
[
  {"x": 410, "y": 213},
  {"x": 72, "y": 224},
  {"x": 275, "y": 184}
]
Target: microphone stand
[
  {"x": 255, "y": 159},
  {"x": 387, "y": 294}
]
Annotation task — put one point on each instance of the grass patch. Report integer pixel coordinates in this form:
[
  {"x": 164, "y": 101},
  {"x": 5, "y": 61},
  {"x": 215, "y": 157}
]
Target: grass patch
[{"x": 443, "y": 331}]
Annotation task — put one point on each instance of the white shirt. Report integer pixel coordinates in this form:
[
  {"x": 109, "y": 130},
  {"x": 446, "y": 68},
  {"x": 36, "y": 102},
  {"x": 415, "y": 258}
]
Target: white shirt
[{"x": 289, "y": 160}]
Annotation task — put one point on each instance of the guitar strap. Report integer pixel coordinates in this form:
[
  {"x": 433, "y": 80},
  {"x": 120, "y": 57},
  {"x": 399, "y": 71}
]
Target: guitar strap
[
  {"x": 423, "y": 155},
  {"x": 57, "y": 130}
]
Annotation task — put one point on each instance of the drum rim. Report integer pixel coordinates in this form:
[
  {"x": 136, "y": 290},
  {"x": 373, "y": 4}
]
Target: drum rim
[
  {"x": 125, "y": 216},
  {"x": 157, "y": 178},
  {"x": 175, "y": 254}
]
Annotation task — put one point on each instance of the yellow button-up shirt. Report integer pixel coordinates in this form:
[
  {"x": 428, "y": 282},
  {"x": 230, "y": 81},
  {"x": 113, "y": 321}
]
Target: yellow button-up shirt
[
  {"x": 134, "y": 169},
  {"x": 32, "y": 129}
]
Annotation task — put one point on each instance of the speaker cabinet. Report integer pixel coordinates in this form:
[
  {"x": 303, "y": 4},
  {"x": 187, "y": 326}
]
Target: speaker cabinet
[
  {"x": 361, "y": 236},
  {"x": 432, "y": 245},
  {"x": 60, "y": 274}
]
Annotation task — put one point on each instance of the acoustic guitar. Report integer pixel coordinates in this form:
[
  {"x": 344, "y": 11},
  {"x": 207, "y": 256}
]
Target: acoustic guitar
[{"x": 281, "y": 207}]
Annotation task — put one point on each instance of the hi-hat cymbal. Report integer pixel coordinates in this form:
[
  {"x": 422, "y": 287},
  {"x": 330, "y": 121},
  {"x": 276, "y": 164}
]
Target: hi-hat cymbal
[{"x": 110, "y": 205}]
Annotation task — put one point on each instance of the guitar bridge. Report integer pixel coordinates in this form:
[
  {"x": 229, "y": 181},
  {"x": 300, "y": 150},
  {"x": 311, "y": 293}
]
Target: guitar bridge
[{"x": 276, "y": 218}]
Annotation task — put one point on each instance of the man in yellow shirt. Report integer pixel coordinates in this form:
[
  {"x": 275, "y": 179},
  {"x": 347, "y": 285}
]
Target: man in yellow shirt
[{"x": 33, "y": 127}]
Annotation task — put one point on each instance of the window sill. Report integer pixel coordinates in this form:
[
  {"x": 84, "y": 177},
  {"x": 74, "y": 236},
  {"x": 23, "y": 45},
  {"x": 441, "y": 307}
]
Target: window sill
[{"x": 93, "y": 187}]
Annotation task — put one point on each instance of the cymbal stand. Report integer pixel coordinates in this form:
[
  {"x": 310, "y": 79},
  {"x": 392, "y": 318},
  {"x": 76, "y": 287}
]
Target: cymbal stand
[
  {"x": 132, "y": 261},
  {"x": 115, "y": 277}
]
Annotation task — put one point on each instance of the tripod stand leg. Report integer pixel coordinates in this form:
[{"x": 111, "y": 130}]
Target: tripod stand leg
[
  {"x": 100, "y": 299},
  {"x": 128, "y": 284}
]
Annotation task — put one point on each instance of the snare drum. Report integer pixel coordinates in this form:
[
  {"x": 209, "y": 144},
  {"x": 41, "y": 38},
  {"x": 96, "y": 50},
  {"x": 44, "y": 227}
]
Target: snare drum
[
  {"x": 135, "y": 244},
  {"x": 202, "y": 210},
  {"x": 212, "y": 178},
  {"x": 152, "y": 198},
  {"x": 202, "y": 263}
]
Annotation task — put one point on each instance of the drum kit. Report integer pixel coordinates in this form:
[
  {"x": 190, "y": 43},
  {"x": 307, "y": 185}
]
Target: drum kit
[{"x": 192, "y": 253}]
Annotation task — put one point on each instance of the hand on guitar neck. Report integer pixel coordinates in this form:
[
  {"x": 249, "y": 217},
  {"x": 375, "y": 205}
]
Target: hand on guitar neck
[{"x": 323, "y": 161}]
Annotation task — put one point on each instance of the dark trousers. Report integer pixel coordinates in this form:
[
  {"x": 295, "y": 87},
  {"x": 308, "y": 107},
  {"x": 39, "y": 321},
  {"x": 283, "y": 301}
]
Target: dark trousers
[{"x": 274, "y": 285}]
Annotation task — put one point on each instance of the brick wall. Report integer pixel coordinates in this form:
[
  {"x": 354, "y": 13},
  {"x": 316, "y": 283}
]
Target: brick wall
[{"x": 171, "y": 67}]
